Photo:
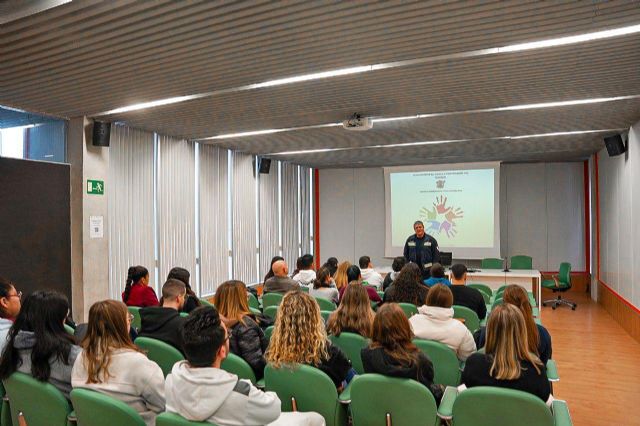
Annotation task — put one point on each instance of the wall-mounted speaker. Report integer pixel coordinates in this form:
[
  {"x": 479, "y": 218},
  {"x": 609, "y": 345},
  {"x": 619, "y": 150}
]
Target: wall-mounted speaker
[
  {"x": 264, "y": 165},
  {"x": 101, "y": 133},
  {"x": 615, "y": 145}
]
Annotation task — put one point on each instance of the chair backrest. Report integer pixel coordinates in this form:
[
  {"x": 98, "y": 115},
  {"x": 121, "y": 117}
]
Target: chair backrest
[
  {"x": 409, "y": 309},
  {"x": 471, "y": 319},
  {"x": 379, "y": 400},
  {"x": 301, "y": 385},
  {"x": 500, "y": 291},
  {"x": 325, "y": 315},
  {"x": 351, "y": 344},
  {"x": 485, "y": 297},
  {"x": 97, "y": 409},
  {"x": 304, "y": 289},
  {"x": 564, "y": 274},
  {"x": 521, "y": 262},
  {"x": 325, "y": 304},
  {"x": 160, "y": 352},
  {"x": 446, "y": 367},
  {"x": 135, "y": 311},
  {"x": 271, "y": 311},
  {"x": 41, "y": 403},
  {"x": 205, "y": 302},
  {"x": 271, "y": 299},
  {"x": 496, "y": 302},
  {"x": 173, "y": 419},
  {"x": 482, "y": 287},
  {"x": 253, "y": 301},
  {"x": 381, "y": 294},
  {"x": 238, "y": 366},
  {"x": 484, "y": 406},
  {"x": 69, "y": 329},
  {"x": 268, "y": 332},
  {"x": 491, "y": 263}
]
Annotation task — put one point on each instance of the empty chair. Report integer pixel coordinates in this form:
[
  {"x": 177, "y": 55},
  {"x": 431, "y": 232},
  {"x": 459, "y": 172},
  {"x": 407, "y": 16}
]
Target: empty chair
[
  {"x": 39, "y": 403},
  {"x": 482, "y": 287},
  {"x": 271, "y": 311},
  {"x": 238, "y": 366},
  {"x": 521, "y": 262},
  {"x": 97, "y": 409},
  {"x": 161, "y": 353},
  {"x": 471, "y": 319},
  {"x": 559, "y": 284},
  {"x": 351, "y": 344},
  {"x": 492, "y": 263},
  {"x": 382, "y": 400},
  {"x": 271, "y": 299},
  {"x": 135, "y": 311},
  {"x": 253, "y": 301},
  {"x": 446, "y": 366}
]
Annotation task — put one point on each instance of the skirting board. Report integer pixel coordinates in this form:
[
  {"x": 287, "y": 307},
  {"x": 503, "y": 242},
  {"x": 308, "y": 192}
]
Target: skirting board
[{"x": 626, "y": 316}]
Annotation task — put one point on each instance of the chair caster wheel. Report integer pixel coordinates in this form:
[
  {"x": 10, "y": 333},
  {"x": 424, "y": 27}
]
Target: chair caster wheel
[
  {"x": 553, "y": 307},
  {"x": 573, "y": 308}
]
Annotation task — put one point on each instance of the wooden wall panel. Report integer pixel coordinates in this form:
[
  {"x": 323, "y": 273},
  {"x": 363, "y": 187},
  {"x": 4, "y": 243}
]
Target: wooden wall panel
[{"x": 625, "y": 315}]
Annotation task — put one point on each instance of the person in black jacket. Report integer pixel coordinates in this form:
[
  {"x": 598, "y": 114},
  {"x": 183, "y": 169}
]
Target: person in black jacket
[
  {"x": 299, "y": 337},
  {"x": 421, "y": 249},
  {"x": 164, "y": 322},
  {"x": 392, "y": 353},
  {"x": 246, "y": 338},
  {"x": 464, "y": 295},
  {"x": 191, "y": 302}
]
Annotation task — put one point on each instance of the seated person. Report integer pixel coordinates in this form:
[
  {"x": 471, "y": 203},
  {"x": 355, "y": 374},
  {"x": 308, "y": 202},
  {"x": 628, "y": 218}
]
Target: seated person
[
  {"x": 437, "y": 276},
  {"x": 199, "y": 390},
  {"x": 191, "y": 301},
  {"x": 280, "y": 282},
  {"x": 322, "y": 286},
  {"x": 392, "y": 352},
  {"x": 270, "y": 274},
  {"x": 354, "y": 314},
  {"x": 466, "y": 296},
  {"x": 396, "y": 266},
  {"x": 332, "y": 265},
  {"x": 38, "y": 343},
  {"x": 435, "y": 321},
  {"x": 507, "y": 361},
  {"x": 305, "y": 275},
  {"x": 246, "y": 338},
  {"x": 369, "y": 275},
  {"x": 111, "y": 364},
  {"x": 299, "y": 337},
  {"x": 353, "y": 274},
  {"x": 538, "y": 337},
  {"x": 137, "y": 291},
  {"x": 407, "y": 287},
  {"x": 164, "y": 322},
  {"x": 9, "y": 308}
]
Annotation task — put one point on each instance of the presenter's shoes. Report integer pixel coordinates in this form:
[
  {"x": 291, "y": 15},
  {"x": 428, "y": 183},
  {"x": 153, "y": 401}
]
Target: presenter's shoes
[{"x": 559, "y": 301}]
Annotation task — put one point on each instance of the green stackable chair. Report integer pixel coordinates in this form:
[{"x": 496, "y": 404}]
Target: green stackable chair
[
  {"x": 559, "y": 284},
  {"x": 381, "y": 400},
  {"x": 184, "y": 314},
  {"x": 492, "y": 263},
  {"x": 298, "y": 387},
  {"x": 135, "y": 311},
  {"x": 351, "y": 344},
  {"x": 97, "y": 409},
  {"x": 172, "y": 419},
  {"x": 409, "y": 309},
  {"x": 482, "y": 287},
  {"x": 271, "y": 311},
  {"x": 268, "y": 332},
  {"x": 471, "y": 319},
  {"x": 271, "y": 299},
  {"x": 253, "y": 301},
  {"x": 304, "y": 289},
  {"x": 521, "y": 262},
  {"x": 5, "y": 410},
  {"x": 381, "y": 294},
  {"x": 485, "y": 297},
  {"x": 325, "y": 304},
  {"x": 238, "y": 366},
  {"x": 69, "y": 329},
  {"x": 160, "y": 352},
  {"x": 446, "y": 366},
  {"x": 489, "y": 406},
  {"x": 325, "y": 315},
  {"x": 40, "y": 403},
  {"x": 205, "y": 302}
]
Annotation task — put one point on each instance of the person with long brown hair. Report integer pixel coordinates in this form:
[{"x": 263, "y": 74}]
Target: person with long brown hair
[
  {"x": 111, "y": 364},
  {"x": 246, "y": 338},
  {"x": 322, "y": 286},
  {"x": 507, "y": 361},
  {"x": 538, "y": 337},
  {"x": 299, "y": 337},
  {"x": 407, "y": 287},
  {"x": 392, "y": 352},
  {"x": 354, "y": 315}
]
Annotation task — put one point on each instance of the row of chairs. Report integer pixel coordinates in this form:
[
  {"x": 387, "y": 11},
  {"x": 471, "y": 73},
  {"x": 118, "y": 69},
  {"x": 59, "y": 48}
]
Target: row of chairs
[{"x": 517, "y": 262}]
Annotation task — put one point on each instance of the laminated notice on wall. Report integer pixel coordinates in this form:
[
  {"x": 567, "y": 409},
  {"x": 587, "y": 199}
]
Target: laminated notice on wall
[{"x": 96, "y": 226}]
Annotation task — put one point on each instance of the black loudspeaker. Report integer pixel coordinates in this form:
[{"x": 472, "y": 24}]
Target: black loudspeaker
[
  {"x": 264, "y": 165},
  {"x": 101, "y": 133},
  {"x": 615, "y": 145}
]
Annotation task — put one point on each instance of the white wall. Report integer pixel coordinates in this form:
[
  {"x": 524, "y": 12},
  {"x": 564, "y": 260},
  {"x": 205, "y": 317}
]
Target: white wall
[
  {"x": 541, "y": 209},
  {"x": 619, "y": 178}
]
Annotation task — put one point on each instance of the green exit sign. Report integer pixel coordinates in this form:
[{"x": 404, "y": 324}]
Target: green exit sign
[{"x": 95, "y": 187}]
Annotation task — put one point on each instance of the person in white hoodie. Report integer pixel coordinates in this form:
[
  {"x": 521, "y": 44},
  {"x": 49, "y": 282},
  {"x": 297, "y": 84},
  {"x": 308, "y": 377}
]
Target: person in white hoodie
[
  {"x": 305, "y": 275},
  {"x": 370, "y": 275},
  {"x": 9, "y": 308},
  {"x": 199, "y": 390},
  {"x": 111, "y": 364},
  {"x": 435, "y": 322}
]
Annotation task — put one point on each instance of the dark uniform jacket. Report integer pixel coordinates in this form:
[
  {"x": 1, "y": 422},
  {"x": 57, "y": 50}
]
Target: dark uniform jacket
[{"x": 422, "y": 251}]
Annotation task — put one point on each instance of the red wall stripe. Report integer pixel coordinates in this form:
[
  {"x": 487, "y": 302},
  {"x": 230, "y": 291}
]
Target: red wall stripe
[{"x": 316, "y": 217}]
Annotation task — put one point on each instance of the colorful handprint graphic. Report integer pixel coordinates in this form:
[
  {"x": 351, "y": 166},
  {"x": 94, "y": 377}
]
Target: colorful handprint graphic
[{"x": 441, "y": 219}]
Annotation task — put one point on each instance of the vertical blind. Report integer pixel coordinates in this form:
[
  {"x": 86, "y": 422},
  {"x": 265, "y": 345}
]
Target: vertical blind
[
  {"x": 290, "y": 214},
  {"x": 268, "y": 213},
  {"x": 130, "y": 194},
  {"x": 244, "y": 219},
  {"x": 305, "y": 210}
]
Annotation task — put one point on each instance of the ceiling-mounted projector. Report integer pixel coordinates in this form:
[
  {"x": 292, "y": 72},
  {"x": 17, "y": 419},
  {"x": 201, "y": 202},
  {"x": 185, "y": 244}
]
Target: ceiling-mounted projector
[{"x": 356, "y": 122}]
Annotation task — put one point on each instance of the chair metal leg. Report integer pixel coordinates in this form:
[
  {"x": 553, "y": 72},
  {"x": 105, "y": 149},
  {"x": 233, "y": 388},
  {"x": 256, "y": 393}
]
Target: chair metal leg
[{"x": 560, "y": 301}]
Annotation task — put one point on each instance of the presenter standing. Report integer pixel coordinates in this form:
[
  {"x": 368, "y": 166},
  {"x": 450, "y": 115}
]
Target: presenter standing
[{"x": 421, "y": 249}]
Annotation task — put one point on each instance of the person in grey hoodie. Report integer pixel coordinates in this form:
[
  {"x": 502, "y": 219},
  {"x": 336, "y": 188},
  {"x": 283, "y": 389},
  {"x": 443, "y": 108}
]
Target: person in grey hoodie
[
  {"x": 38, "y": 343},
  {"x": 199, "y": 390},
  {"x": 9, "y": 308}
]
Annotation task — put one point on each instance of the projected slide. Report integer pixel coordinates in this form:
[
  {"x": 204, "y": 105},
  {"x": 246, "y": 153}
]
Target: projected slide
[{"x": 457, "y": 203}]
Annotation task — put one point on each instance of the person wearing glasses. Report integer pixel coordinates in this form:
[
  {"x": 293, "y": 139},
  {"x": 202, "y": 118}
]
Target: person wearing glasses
[{"x": 9, "y": 308}]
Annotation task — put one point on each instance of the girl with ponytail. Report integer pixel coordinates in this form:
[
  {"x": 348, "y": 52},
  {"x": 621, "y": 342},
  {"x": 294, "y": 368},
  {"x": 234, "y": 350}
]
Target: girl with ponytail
[{"x": 137, "y": 291}]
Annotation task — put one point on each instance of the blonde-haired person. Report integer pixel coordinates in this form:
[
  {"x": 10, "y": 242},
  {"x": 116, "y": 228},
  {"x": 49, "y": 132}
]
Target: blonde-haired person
[
  {"x": 246, "y": 338},
  {"x": 507, "y": 361},
  {"x": 538, "y": 337},
  {"x": 299, "y": 337},
  {"x": 435, "y": 321},
  {"x": 354, "y": 315},
  {"x": 111, "y": 364},
  {"x": 340, "y": 277}
]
